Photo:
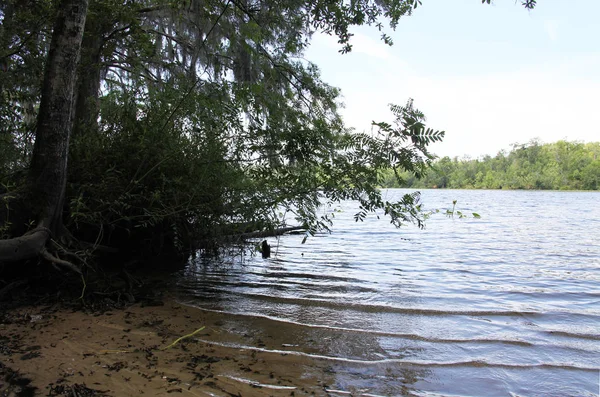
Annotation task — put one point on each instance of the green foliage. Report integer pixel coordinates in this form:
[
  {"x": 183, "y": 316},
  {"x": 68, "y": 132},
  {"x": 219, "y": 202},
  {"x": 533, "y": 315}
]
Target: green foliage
[
  {"x": 558, "y": 166},
  {"x": 528, "y": 4},
  {"x": 206, "y": 120},
  {"x": 158, "y": 184},
  {"x": 451, "y": 213},
  {"x": 24, "y": 43},
  {"x": 5, "y": 226}
]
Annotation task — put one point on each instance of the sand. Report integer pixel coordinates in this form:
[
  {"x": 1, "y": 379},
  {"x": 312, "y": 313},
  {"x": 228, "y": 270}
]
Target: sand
[{"x": 122, "y": 352}]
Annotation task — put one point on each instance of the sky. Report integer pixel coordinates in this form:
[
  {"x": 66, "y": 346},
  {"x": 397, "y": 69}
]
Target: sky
[{"x": 488, "y": 75}]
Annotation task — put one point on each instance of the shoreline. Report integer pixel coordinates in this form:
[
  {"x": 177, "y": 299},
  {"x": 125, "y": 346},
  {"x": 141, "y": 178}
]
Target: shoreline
[{"x": 125, "y": 352}]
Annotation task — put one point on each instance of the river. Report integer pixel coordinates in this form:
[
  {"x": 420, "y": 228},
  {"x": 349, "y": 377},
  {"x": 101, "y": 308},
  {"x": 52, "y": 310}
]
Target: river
[{"x": 504, "y": 305}]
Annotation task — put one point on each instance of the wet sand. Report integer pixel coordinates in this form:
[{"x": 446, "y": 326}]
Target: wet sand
[{"x": 122, "y": 353}]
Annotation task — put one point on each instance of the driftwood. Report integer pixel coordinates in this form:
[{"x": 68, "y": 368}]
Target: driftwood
[
  {"x": 238, "y": 237},
  {"x": 267, "y": 233}
]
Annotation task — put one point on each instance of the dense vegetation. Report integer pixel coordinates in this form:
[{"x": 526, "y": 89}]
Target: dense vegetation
[
  {"x": 557, "y": 166},
  {"x": 156, "y": 126},
  {"x": 182, "y": 123}
]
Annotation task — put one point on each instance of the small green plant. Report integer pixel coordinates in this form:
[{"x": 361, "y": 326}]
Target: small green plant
[{"x": 459, "y": 214}]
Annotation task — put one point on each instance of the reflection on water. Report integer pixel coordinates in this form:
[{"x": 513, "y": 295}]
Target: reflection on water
[{"x": 504, "y": 305}]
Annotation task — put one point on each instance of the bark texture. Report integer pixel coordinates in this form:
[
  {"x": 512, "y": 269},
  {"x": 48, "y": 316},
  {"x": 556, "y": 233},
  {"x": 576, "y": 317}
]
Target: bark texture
[
  {"x": 48, "y": 169},
  {"x": 48, "y": 172},
  {"x": 24, "y": 247},
  {"x": 88, "y": 85}
]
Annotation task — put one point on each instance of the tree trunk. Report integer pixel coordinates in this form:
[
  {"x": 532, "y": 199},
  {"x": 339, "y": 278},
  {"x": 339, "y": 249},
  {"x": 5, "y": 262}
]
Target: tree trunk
[
  {"x": 88, "y": 85},
  {"x": 48, "y": 169}
]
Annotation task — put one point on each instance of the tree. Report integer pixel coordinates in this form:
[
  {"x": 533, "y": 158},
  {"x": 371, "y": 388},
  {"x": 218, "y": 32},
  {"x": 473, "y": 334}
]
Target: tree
[
  {"x": 194, "y": 120},
  {"x": 561, "y": 165},
  {"x": 46, "y": 180}
]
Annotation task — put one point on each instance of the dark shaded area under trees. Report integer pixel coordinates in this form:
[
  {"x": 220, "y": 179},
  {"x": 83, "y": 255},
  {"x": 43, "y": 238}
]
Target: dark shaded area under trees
[
  {"x": 131, "y": 130},
  {"x": 552, "y": 166}
]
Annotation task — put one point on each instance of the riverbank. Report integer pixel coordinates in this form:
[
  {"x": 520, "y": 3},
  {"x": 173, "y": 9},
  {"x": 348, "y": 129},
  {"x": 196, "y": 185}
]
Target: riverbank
[{"x": 53, "y": 351}]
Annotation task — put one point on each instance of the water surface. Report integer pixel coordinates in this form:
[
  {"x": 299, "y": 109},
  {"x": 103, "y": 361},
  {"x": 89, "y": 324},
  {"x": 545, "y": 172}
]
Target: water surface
[{"x": 505, "y": 305}]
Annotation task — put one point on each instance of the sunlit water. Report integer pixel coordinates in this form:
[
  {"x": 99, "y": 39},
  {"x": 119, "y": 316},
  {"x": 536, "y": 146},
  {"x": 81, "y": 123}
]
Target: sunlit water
[{"x": 505, "y": 305}]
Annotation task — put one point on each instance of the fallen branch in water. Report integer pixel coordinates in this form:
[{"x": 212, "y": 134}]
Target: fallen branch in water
[
  {"x": 269, "y": 233},
  {"x": 233, "y": 238}
]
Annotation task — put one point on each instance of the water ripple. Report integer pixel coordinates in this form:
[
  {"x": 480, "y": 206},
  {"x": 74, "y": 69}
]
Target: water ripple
[{"x": 495, "y": 300}]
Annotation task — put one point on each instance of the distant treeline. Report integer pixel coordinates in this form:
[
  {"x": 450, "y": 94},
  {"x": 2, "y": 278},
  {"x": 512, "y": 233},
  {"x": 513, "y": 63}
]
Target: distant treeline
[{"x": 557, "y": 166}]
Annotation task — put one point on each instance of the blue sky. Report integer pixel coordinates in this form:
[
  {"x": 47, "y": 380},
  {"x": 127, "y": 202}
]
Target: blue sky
[{"x": 489, "y": 75}]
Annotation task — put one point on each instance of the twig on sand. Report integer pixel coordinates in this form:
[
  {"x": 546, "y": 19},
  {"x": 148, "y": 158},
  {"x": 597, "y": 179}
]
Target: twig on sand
[{"x": 182, "y": 338}]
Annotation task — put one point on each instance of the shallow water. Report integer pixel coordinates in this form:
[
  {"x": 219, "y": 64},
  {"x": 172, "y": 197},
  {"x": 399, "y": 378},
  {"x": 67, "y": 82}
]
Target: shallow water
[{"x": 505, "y": 305}]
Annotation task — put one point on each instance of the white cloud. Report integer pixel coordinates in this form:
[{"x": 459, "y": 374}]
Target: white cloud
[
  {"x": 362, "y": 44},
  {"x": 487, "y": 113},
  {"x": 324, "y": 41},
  {"x": 483, "y": 114},
  {"x": 551, "y": 28}
]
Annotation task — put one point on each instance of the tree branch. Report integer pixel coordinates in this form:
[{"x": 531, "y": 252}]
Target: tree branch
[{"x": 268, "y": 233}]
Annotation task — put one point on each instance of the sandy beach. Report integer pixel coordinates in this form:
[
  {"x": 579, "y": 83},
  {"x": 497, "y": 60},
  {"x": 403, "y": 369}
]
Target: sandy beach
[{"x": 131, "y": 352}]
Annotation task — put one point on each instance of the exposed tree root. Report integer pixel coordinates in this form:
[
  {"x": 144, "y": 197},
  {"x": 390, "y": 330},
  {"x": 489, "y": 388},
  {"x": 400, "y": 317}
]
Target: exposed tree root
[
  {"x": 28, "y": 246},
  {"x": 59, "y": 262},
  {"x": 33, "y": 244}
]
